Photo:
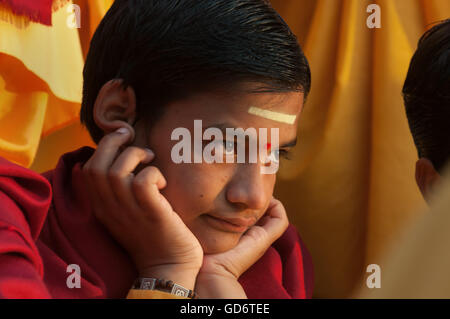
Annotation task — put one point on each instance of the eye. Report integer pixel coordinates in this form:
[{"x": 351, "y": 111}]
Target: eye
[
  {"x": 275, "y": 155},
  {"x": 229, "y": 147},
  {"x": 286, "y": 154}
]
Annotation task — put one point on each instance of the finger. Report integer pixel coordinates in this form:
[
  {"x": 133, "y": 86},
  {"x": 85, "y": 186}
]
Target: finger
[
  {"x": 98, "y": 165},
  {"x": 146, "y": 186},
  {"x": 255, "y": 242},
  {"x": 121, "y": 175},
  {"x": 108, "y": 148},
  {"x": 275, "y": 220},
  {"x": 250, "y": 248},
  {"x": 94, "y": 200}
]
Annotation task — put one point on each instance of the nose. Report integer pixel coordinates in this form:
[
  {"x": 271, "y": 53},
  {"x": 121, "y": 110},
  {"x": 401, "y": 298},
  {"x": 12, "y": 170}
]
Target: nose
[{"x": 249, "y": 188}]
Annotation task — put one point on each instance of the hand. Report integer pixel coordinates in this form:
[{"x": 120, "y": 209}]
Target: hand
[
  {"x": 137, "y": 215},
  {"x": 223, "y": 270}
]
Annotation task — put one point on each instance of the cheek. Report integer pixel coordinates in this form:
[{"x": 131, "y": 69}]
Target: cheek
[
  {"x": 214, "y": 242},
  {"x": 272, "y": 182},
  {"x": 193, "y": 189}
]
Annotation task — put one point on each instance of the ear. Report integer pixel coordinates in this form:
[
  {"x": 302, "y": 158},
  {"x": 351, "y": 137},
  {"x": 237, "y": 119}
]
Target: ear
[
  {"x": 115, "y": 107},
  {"x": 426, "y": 176}
]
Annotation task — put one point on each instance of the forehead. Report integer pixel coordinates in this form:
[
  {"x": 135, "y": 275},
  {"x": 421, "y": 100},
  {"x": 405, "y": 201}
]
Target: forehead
[{"x": 241, "y": 109}]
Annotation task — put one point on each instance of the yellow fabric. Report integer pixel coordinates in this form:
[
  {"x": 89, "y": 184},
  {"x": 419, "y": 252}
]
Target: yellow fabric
[
  {"x": 92, "y": 11},
  {"x": 54, "y": 145},
  {"x": 350, "y": 189},
  {"x": 40, "y": 84},
  {"x": 151, "y": 294}
]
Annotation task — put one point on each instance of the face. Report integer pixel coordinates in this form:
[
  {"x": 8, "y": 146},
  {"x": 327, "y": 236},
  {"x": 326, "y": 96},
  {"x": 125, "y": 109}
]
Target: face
[{"x": 219, "y": 201}]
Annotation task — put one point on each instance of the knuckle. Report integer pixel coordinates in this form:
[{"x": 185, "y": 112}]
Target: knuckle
[
  {"x": 115, "y": 175},
  {"x": 278, "y": 202},
  {"x": 151, "y": 172},
  {"x": 106, "y": 140},
  {"x": 147, "y": 177},
  {"x": 95, "y": 171},
  {"x": 135, "y": 151},
  {"x": 140, "y": 181}
]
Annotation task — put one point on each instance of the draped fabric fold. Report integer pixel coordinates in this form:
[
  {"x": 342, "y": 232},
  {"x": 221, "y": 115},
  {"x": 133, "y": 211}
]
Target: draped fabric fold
[
  {"x": 351, "y": 182},
  {"x": 40, "y": 84}
]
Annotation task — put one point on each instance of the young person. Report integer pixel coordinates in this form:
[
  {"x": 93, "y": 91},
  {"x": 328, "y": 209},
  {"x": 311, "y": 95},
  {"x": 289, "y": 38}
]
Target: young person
[
  {"x": 427, "y": 100},
  {"x": 128, "y": 212}
]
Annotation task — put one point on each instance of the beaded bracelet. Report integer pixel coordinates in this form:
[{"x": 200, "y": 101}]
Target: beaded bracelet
[{"x": 165, "y": 286}]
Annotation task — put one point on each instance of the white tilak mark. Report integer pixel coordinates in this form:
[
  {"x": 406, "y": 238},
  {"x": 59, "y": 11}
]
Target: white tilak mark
[{"x": 274, "y": 116}]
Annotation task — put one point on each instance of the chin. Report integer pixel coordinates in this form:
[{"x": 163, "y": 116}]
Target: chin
[
  {"x": 212, "y": 240},
  {"x": 219, "y": 243}
]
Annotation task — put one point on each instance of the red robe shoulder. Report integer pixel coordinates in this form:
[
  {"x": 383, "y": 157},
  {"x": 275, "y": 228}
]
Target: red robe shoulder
[{"x": 25, "y": 198}]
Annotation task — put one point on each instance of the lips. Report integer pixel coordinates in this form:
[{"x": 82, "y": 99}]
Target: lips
[{"x": 234, "y": 225}]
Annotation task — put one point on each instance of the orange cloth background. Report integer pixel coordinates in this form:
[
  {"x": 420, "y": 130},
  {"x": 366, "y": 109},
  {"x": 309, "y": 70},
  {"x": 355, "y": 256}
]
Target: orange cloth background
[{"x": 350, "y": 189}]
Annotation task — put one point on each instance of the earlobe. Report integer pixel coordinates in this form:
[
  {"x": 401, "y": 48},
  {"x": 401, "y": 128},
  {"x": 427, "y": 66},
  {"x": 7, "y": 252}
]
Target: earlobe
[
  {"x": 115, "y": 107},
  {"x": 426, "y": 176}
]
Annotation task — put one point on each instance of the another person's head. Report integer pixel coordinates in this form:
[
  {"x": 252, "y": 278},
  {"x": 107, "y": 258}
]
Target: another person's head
[
  {"x": 427, "y": 100},
  {"x": 177, "y": 61}
]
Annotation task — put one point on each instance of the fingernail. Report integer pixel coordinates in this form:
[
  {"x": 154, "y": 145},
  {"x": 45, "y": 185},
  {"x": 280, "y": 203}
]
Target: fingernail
[
  {"x": 123, "y": 130},
  {"x": 150, "y": 152}
]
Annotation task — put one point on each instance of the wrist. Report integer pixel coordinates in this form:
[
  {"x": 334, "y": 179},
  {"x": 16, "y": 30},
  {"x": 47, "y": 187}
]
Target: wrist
[{"x": 182, "y": 275}]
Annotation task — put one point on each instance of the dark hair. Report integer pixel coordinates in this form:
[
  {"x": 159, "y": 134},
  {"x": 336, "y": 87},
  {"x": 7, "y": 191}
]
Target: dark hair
[
  {"x": 167, "y": 49},
  {"x": 426, "y": 95}
]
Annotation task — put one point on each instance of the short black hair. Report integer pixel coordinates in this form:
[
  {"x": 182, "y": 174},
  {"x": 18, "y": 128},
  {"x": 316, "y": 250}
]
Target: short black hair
[
  {"x": 168, "y": 49},
  {"x": 426, "y": 94}
]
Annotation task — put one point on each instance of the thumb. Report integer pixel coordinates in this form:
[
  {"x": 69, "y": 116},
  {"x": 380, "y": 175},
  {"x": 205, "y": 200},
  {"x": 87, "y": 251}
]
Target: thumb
[{"x": 255, "y": 242}]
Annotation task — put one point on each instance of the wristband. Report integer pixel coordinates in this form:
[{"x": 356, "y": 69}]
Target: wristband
[
  {"x": 151, "y": 294},
  {"x": 164, "y": 286}
]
